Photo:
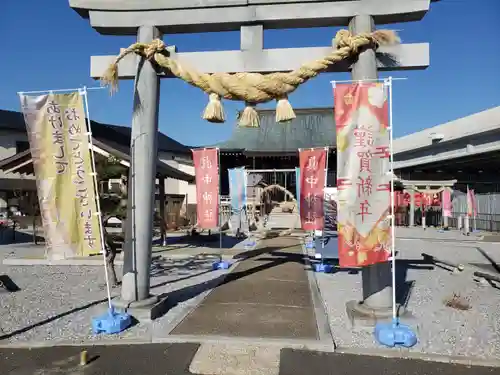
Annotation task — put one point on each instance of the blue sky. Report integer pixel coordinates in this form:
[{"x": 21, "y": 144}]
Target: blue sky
[{"x": 49, "y": 47}]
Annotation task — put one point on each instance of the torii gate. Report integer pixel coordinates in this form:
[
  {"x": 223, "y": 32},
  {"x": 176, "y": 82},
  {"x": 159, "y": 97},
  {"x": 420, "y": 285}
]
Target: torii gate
[{"x": 150, "y": 19}]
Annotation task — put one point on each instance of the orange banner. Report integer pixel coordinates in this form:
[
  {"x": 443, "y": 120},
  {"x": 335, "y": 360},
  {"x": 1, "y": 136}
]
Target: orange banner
[{"x": 361, "y": 116}]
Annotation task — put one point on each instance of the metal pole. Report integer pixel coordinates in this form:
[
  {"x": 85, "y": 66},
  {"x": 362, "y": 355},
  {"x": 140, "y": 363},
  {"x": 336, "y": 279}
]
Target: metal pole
[
  {"x": 377, "y": 283},
  {"x": 220, "y": 211},
  {"x": 163, "y": 227},
  {"x": 96, "y": 189},
  {"x": 144, "y": 148},
  {"x": 326, "y": 184},
  {"x": 393, "y": 217}
]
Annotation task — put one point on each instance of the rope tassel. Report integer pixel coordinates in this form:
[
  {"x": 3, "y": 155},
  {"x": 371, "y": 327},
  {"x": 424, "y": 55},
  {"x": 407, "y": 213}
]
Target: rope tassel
[
  {"x": 284, "y": 110},
  {"x": 249, "y": 117},
  {"x": 214, "y": 111},
  {"x": 253, "y": 88}
]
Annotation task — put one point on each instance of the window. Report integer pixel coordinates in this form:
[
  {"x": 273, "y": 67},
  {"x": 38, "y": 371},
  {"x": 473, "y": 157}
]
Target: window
[{"x": 22, "y": 146}]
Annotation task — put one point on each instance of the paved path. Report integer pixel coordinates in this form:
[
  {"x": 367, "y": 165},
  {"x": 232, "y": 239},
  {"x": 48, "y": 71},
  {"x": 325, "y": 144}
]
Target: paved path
[
  {"x": 295, "y": 362},
  {"x": 106, "y": 360},
  {"x": 267, "y": 295},
  {"x": 175, "y": 359}
]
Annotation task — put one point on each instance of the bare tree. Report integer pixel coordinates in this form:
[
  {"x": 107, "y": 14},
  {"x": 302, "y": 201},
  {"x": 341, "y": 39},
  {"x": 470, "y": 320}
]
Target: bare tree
[{"x": 113, "y": 204}]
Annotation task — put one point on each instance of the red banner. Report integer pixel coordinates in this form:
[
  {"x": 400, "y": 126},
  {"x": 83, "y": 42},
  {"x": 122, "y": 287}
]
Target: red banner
[
  {"x": 312, "y": 164},
  {"x": 206, "y": 166},
  {"x": 447, "y": 206},
  {"x": 471, "y": 203},
  {"x": 361, "y": 117}
]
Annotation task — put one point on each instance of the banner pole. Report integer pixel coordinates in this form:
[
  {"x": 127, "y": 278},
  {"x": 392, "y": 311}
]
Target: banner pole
[
  {"x": 327, "y": 150},
  {"x": 220, "y": 211},
  {"x": 96, "y": 189},
  {"x": 393, "y": 221},
  {"x": 60, "y": 90}
]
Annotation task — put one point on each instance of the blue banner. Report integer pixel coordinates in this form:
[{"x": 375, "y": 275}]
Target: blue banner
[
  {"x": 297, "y": 187},
  {"x": 238, "y": 188}
]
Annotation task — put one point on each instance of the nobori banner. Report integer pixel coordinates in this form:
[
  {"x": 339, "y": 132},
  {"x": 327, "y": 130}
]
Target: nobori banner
[
  {"x": 206, "y": 164},
  {"x": 363, "y": 183}
]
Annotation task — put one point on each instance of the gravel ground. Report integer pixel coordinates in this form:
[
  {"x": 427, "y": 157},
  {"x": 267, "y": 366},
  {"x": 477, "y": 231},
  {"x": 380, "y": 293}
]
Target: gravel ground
[
  {"x": 56, "y": 304},
  {"x": 440, "y": 329}
]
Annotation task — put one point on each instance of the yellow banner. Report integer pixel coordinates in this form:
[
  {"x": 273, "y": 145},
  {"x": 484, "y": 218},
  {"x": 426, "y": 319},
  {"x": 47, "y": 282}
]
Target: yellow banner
[{"x": 58, "y": 137}]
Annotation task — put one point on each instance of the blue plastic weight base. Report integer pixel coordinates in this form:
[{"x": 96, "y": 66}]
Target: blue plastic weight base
[
  {"x": 310, "y": 245},
  {"x": 111, "y": 323},
  {"x": 250, "y": 245},
  {"x": 323, "y": 268},
  {"x": 395, "y": 335},
  {"x": 220, "y": 265}
]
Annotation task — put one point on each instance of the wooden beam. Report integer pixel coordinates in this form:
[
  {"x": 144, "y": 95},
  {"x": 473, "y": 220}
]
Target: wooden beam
[
  {"x": 195, "y": 16},
  {"x": 401, "y": 57}
]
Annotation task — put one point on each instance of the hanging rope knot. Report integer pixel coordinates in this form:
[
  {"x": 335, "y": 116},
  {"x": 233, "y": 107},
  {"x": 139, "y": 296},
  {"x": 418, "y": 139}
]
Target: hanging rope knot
[
  {"x": 156, "y": 46},
  {"x": 253, "y": 88},
  {"x": 214, "y": 111},
  {"x": 342, "y": 39},
  {"x": 249, "y": 117},
  {"x": 284, "y": 110}
]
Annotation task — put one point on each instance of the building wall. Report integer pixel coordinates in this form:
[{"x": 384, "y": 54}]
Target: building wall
[
  {"x": 173, "y": 186},
  {"x": 460, "y": 147},
  {"x": 8, "y": 147},
  {"x": 9, "y": 182}
]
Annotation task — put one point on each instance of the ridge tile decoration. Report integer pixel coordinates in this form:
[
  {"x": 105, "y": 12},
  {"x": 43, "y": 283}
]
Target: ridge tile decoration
[{"x": 363, "y": 182}]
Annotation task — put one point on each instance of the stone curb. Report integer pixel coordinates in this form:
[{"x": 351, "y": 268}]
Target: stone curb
[
  {"x": 311, "y": 345},
  {"x": 404, "y": 353},
  {"x": 53, "y": 343},
  {"x": 322, "y": 321},
  {"x": 314, "y": 345}
]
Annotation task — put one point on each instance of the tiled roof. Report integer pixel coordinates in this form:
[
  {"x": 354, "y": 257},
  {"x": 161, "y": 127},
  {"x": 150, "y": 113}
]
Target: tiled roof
[
  {"x": 12, "y": 120},
  {"x": 313, "y": 127}
]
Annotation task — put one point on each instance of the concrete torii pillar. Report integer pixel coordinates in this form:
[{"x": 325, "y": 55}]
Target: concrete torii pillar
[
  {"x": 376, "y": 279},
  {"x": 149, "y": 19},
  {"x": 135, "y": 295}
]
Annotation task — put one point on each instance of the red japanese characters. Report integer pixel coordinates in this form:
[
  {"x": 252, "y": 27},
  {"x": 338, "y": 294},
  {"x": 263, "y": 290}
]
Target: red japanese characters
[
  {"x": 312, "y": 183},
  {"x": 364, "y": 182},
  {"x": 206, "y": 164}
]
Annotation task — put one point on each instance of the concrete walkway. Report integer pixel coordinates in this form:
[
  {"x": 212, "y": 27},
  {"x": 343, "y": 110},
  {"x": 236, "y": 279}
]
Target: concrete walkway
[{"x": 267, "y": 295}]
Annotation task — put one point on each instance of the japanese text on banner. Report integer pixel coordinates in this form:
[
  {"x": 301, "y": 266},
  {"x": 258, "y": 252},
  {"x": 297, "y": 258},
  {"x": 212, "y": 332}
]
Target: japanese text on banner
[
  {"x": 206, "y": 166},
  {"x": 364, "y": 184},
  {"x": 59, "y": 145},
  {"x": 312, "y": 184},
  {"x": 471, "y": 203}
]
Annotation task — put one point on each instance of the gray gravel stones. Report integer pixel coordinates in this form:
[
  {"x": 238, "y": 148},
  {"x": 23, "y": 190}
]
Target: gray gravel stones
[
  {"x": 56, "y": 304},
  {"x": 440, "y": 329}
]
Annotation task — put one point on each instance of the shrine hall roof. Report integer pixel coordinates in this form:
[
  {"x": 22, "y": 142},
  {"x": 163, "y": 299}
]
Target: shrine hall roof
[{"x": 313, "y": 127}]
